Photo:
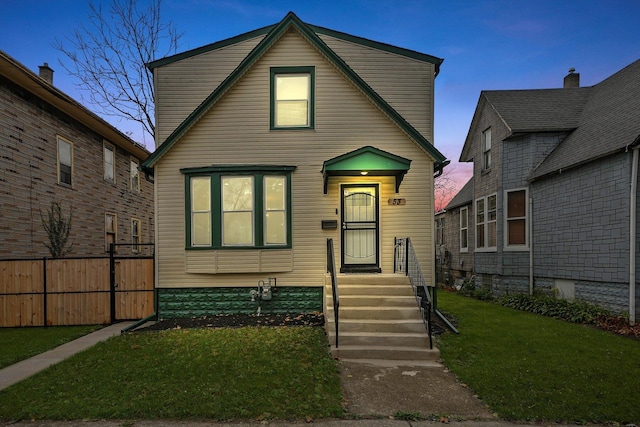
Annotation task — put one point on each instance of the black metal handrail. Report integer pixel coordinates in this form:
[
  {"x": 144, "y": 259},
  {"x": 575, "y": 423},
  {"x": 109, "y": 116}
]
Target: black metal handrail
[
  {"x": 331, "y": 269},
  {"x": 406, "y": 261}
]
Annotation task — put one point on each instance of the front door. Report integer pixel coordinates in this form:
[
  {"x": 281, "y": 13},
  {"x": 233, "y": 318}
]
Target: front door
[{"x": 360, "y": 228}]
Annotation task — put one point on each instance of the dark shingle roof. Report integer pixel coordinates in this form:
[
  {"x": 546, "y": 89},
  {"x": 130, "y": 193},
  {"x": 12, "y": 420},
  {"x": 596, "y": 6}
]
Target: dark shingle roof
[
  {"x": 610, "y": 122},
  {"x": 539, "y": 110},
  {"x": 464, "y": 196}
]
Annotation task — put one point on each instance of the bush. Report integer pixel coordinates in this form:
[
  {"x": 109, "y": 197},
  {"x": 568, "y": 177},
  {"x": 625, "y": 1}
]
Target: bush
[
  {"x": 469, "y": 289},
  {"x": 572, "y": 311}
]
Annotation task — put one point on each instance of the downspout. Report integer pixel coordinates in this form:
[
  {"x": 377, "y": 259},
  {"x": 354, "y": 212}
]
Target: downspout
[
  {"x": 530, "y": 245},
  {"x": 632, "y": 237}
]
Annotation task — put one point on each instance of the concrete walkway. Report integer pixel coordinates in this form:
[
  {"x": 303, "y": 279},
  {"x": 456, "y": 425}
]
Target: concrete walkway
[{"x": 28, "y": 367}]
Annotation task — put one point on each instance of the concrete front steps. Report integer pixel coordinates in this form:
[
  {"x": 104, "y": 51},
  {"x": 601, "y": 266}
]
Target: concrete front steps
[{"x": 379, "y": 321}]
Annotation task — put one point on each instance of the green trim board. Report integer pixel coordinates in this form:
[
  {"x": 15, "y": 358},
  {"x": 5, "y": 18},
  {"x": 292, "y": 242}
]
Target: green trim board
[
  {"x": 373, "y": 161},
  {"x": 192, "y": 302},
  {"x": 292, "y": 21},
  {"x": 258, "y": 173}
]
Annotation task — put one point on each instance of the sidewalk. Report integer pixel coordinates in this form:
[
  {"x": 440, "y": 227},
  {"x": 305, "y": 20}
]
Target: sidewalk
[{"x": 26, "y": 368}]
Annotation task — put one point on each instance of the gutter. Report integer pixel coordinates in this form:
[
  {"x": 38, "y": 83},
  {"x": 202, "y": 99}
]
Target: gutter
[
  {"x": 531, "y": 281},
  {"x": 632, "y": 235}
]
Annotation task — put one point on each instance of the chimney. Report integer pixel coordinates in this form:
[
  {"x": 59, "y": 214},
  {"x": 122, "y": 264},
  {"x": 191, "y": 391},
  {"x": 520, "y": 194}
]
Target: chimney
[
  {"x": 572, "y": 79},
  {"x": 46, "y": 73}
]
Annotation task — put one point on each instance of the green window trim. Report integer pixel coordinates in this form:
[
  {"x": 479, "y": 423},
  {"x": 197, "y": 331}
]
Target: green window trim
[
  {"x": 258, "y": 173},
  {"x": 279, "y": 71}
]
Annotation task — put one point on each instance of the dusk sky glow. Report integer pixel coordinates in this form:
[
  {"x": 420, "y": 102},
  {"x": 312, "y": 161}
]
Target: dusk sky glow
[{"x": 486, "y": 44}]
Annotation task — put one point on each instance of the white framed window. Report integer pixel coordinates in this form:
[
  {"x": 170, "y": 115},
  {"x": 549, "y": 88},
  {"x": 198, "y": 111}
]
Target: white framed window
[
  {"x": 486, "y": 149},
  {"x": 464, "y": 229},
  {"x": 135, "y": 235},
  {"x": 516, "y": 219},
  {"x": 292, "y": 98},
  {"x": 109, "y": 160},
  {"x": 486, "y": 217},
  {"x": 65, "y": 161},
  {"x": 110, "y": 230},
  {"x": 134, "y": 175},
  {"x": 200, "y": 210}
]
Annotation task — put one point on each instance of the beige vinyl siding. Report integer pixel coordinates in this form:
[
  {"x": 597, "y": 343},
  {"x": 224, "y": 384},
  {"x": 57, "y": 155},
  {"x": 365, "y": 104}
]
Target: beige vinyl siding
[
  {"x": 236, "y": 131},
  {"x": 405, "y": 83},
  {"x": 181, "y": 86}
]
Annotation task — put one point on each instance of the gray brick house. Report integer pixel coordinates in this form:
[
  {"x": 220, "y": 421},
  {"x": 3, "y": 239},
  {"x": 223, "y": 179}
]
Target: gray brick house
[
  {"x": 556, "y": 190},
  {"x": 54, "y": 149},
  {"x": 455, "y": 237}
]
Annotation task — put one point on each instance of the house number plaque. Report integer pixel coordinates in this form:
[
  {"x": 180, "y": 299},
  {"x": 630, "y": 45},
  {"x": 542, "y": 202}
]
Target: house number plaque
[{"x": 397, "y": 202}]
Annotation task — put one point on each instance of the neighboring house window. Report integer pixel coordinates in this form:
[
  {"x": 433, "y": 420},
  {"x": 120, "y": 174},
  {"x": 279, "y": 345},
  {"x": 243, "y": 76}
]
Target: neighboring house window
[
  {"x": 486, "y": 149},
  {"x": 134, "y": 175},
  {"x": 486, "y": 215},
  {"x": 65, "y": 161},
  {"x": 109, "y": 162},
  {"x": 292, "y": 97},
  {"x": 439, "y": 231},
  {"x": 250, "y": 209},
  {"x": 516, "y": 218},
  {"x": 135, "y": 235},
  {"x": 110, "y": 229},
  {"x": 464, "y": 229}
]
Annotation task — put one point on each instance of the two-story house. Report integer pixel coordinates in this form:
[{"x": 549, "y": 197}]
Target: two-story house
[
  {"x": 273, "y": 141},
  {"x": 53, "y": 149},
  {"x": 555, "y": 190}
]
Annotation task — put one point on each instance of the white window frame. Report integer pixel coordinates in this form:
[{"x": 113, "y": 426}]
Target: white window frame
[
  {"x": 516, "y": 247},
  {"x": 486, "y": 149},
  {"x": 134, "y": 188},
  {"x": 59, "y": 161},
  {"x": 440, "y": 231},
  {"x": 486, "y": 223},
  {"x": 464, "y": 213},
  {"x": 109, "y": 147},
  {"x": 135, "y": 238}
]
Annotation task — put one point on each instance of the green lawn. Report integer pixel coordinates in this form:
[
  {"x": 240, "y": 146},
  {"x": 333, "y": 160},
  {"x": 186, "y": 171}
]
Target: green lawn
[
  {"x": 21, "y": 343},
  {"x": 235, "y": 373},
  {"x": 529, "y": 367}
]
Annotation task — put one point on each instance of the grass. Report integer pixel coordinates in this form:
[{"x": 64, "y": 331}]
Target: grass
[
  {"x": 222, "y": 374},
  {"x": 21, "y": 343},
  {"x": 532, "y": 368}
]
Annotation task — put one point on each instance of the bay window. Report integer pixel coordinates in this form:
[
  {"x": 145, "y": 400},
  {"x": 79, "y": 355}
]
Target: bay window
[{"x": 239, "y": 207}]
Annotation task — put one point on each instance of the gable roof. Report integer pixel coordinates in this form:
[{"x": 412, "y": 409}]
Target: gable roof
[
  {"x": 599, "y": 120},
  {"x": 609, "y": 123},
  {"x": 273, "y": 35},
  {"x": 20, "y": 75}
]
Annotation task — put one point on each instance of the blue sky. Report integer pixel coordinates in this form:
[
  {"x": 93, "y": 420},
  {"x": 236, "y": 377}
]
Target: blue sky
[{"x": 486, "y": 44}]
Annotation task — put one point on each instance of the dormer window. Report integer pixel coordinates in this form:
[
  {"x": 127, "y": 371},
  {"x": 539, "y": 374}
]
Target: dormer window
[{"x": 292, "y": 97}]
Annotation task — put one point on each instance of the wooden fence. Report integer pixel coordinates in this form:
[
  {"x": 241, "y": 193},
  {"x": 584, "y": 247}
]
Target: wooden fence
[{"x": 75, "y": 291}]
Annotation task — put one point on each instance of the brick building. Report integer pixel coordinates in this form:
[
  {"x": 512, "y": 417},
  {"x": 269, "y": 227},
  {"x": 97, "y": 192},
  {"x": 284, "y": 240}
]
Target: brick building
[{"x": 53, "y": 149}]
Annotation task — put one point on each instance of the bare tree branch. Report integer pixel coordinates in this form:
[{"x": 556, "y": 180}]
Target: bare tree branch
[
  {"x": 444, "y": 188},
  {"x": 109, "y": 54}
]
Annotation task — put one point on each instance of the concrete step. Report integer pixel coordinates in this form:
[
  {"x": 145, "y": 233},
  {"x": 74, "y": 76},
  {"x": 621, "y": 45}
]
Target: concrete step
[
  {"x": 397, "y": 353},
  {"x": 373, "y": 279},
  {"x": 381, "y": 289},
  {"x": 379, "y": 313},
  {"x": 381, "y": 339},
  {"x": 374, "y": 301},
  {"x": 375, "y": 325}
]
